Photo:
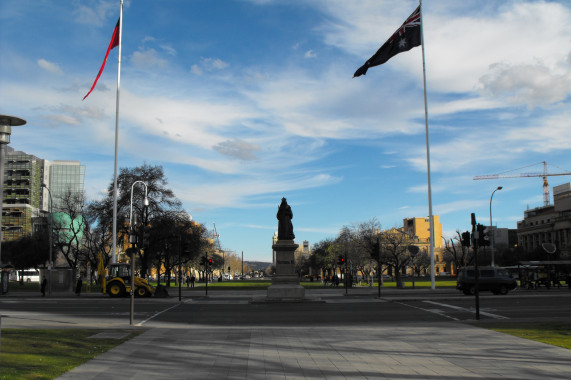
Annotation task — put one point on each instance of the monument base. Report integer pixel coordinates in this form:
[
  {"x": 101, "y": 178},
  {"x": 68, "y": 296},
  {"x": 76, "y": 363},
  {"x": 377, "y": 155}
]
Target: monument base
[
  {"x": 286, "y": 291},
  {"x": 285, "y": 283}
]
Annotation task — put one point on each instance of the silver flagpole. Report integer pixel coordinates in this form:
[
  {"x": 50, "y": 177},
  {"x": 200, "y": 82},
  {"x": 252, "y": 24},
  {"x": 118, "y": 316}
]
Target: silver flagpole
[
  {"x": 431, "y": 219},
  {"x": 114, "y": 252}
]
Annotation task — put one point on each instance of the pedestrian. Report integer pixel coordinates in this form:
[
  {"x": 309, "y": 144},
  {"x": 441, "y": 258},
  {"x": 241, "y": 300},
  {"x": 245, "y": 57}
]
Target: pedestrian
[
  {"x": 43, "y": 286},
  {"x": 78, "y": 287},
  {"x": 192, "y": 279}
]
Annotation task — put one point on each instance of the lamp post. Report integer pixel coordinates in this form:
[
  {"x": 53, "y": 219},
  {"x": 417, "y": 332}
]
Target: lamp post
[
  {"x": 6, "y": 124},
  {"x": 51, "y": 264},
  {"x": 133, "y": 241},
  {"x": 492, "y": 243}
]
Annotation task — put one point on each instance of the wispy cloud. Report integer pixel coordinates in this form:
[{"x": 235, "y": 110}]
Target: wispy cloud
[{"x": 49, "y": 66}]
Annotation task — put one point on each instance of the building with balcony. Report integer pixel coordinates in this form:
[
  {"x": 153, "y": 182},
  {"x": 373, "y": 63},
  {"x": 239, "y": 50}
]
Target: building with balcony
[
  {"x": 25, "y": 203},
  {"x": 22, "y": 194}
]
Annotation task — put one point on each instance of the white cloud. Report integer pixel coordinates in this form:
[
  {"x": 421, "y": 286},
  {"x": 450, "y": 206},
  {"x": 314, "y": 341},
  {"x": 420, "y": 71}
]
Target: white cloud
[
  {"x": 530, "y": 85},
  {"x": 208, "y": 65},
  {"x": 310, "y": 54},
  {"x": 49, "y": 66},
  {"x": 237, "y": 148},
  {"x": 148, "y": 58},
  {"x": 95, "y": 13}
]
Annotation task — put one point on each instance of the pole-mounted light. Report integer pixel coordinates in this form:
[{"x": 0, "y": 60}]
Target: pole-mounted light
[{"x": 491, "y": 229}]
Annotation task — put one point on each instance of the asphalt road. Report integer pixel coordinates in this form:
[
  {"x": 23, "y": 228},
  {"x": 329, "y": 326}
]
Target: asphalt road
[{"x": 234, "y": 308}]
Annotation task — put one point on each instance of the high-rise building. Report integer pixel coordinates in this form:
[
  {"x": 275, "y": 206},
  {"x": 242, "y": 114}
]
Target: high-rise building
[
  {"x": 22, "y": 194},
  {"x": 64, "y": 177},
  {"x": 25, "y": 203}
]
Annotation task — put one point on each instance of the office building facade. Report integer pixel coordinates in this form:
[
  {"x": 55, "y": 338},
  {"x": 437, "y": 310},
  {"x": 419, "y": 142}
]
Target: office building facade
[
  {"x": 25, "y": 203},
  {"x": 549, "y": 224}
]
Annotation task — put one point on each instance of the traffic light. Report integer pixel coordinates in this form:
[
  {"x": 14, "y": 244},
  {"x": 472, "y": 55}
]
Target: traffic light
[
  {"x": 483, "y": 239},
  {"x": 203, "y": 261},
  {"x": 209, "y": 261},
  {"x": 131, "y": 252},
  {"x": 341, "y": 260},
  {"x": 466, "y": 239}
]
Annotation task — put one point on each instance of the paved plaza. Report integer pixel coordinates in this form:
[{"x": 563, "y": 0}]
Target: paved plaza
[{"x": 383, "y": 350}]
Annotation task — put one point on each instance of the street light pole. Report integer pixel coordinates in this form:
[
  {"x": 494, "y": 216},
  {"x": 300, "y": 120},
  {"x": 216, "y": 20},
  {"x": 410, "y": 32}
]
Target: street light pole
[
  {"x": 51, "y": 265},
  {"x": 133, "y": 241},
  {"x": 492, "y": 243}
]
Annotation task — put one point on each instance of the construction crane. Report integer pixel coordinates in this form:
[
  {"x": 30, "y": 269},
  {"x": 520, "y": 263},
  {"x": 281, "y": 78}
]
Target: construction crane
[{"x": 544, "y": 175}]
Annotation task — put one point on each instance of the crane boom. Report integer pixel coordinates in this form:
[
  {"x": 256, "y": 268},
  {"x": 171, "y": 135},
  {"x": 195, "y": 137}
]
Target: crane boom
[{"x": 544, "y": 175}]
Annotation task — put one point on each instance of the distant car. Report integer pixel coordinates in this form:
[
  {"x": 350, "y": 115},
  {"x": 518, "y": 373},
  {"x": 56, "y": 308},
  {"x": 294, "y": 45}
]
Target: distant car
[{"x": 496, "y": 280}]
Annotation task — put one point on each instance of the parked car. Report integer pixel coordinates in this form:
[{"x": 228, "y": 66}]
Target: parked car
[{"x": 497, "y": 280}]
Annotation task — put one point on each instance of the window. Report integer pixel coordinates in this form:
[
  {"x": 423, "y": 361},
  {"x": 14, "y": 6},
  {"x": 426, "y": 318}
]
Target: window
[{"x": 487, "y": 273}]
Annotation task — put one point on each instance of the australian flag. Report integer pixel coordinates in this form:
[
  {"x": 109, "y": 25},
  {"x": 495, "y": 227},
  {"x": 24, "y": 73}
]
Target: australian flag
[{"x": 405, "y": 38}]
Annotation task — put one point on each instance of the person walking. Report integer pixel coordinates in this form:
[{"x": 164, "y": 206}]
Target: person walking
[
  {"x": 43, "y": 286},
  {"x": 192, "y": 279},
  {"x": 78, "y": 286}
]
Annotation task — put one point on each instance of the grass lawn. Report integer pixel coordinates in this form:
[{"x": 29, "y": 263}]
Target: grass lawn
[
  {"x": 554, "y": 333},
  {"x": 47, "y": 354},
  {"x": 263, "y": 284}
]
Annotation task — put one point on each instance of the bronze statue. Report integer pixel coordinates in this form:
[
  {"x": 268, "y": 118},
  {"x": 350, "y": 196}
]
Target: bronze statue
[{"x": 285, "y": 215}]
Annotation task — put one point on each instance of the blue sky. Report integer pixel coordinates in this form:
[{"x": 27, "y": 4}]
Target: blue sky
[{"x": 245, "y": 102}]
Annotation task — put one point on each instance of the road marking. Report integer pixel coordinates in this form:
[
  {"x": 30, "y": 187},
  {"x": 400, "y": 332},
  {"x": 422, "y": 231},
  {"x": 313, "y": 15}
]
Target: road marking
[
  {"x": 470, "y": 310},
  {"x": 433, "y": 311},
  {"x": 156, "y": 315}
]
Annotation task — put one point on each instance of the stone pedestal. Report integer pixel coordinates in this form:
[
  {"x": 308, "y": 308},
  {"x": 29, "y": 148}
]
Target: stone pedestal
[{"x": 285, "y": 283}]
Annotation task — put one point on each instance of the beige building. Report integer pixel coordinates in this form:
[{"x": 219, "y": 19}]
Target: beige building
[{"x": 418, "y": 229}]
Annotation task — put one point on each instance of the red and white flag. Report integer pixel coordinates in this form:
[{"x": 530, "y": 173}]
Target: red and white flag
[{"x": 114, "y": 42}]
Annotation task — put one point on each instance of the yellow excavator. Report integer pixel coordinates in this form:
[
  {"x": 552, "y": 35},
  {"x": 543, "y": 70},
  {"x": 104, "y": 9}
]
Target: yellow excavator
[{"x": 119, "y": 282}]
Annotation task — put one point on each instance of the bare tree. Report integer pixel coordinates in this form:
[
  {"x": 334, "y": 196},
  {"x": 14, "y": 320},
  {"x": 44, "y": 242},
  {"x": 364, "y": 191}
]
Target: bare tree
[
  {"x": 394, "y": 243},
  {"x": 454, "y": 250},
  {"x": 69, "y": 226},
  {"x": 367, "y": 255}
]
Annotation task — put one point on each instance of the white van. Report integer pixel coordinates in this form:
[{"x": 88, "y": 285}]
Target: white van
[{"x": 28, "y": 275}]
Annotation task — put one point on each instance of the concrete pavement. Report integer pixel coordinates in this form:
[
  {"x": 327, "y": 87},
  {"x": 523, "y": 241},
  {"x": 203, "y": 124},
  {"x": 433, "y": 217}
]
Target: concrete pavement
[
  {"x": 427, "y": 350},
  {"x": 404, "y": 351}
]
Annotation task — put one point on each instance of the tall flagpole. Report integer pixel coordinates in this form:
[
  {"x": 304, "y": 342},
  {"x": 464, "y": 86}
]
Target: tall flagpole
[
  {"x": 430, "y": 218},
  {"x": 115, "y": 190}
]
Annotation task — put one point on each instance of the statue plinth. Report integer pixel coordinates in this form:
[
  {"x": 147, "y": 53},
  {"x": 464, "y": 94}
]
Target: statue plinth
[{"x": 285, "y": 283}]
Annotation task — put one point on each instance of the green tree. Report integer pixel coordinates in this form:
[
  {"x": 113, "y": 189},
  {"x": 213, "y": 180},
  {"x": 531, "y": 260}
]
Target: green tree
[{"x": 27, "y": 252}]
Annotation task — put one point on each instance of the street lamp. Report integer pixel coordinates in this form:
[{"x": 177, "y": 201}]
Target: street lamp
[
  {"x": 133, "y": 241},
  {"x": 51, "y": 265},
  {"x": 6, "y": 124},
  {"x": 492, "y": 243}
]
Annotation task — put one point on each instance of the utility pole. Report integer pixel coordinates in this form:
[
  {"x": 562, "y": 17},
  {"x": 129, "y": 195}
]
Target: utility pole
[{"x": 475, "y": 236}]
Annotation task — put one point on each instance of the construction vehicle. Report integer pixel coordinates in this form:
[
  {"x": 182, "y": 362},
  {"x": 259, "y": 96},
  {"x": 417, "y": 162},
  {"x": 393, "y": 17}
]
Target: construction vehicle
[{"x": 119, "y": 282}]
